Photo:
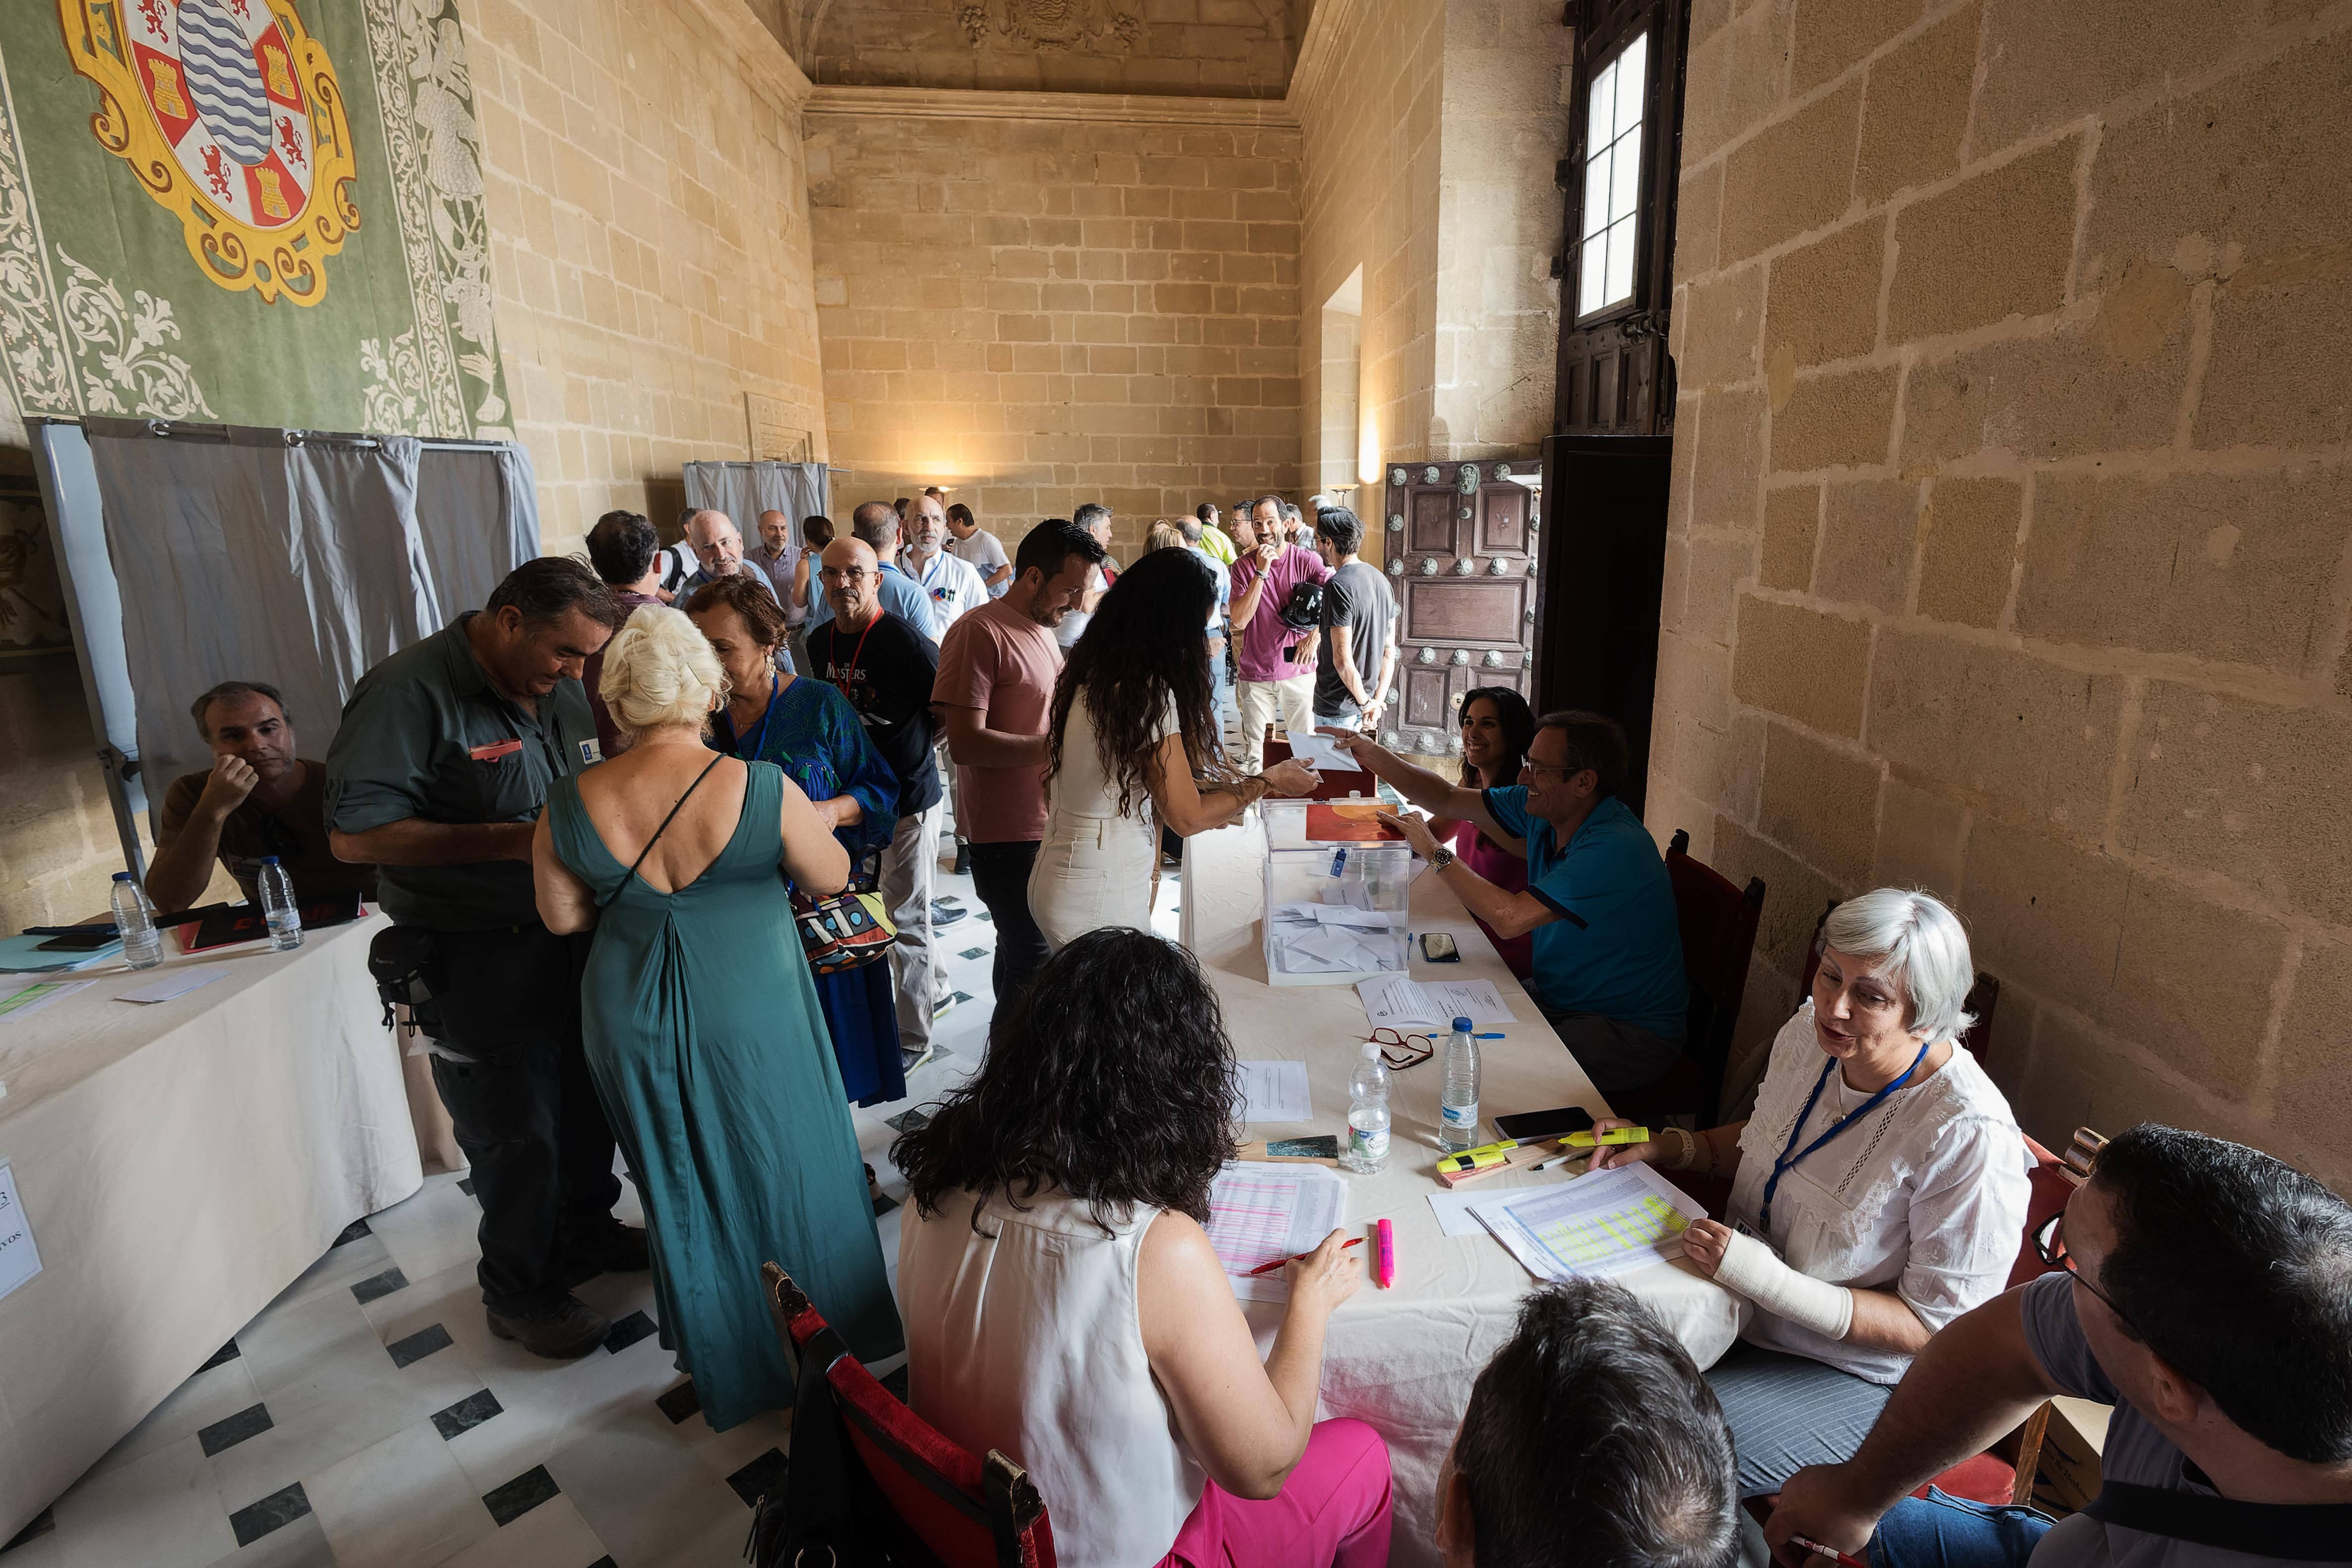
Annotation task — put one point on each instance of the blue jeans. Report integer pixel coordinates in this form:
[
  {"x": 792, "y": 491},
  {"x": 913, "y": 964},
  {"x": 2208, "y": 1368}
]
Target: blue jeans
[{"x": 1943, "y": 1532}]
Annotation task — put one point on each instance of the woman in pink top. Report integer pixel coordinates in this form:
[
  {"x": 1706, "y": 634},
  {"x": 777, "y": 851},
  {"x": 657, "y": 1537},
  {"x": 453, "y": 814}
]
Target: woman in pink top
[{"x": 1496, "y": 727}]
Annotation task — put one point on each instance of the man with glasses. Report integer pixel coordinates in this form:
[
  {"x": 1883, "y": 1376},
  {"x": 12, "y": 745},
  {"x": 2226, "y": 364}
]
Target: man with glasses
[
  {"x": 885, "y": 668},
  {"x": 1608, "y": 952},
  {"x": 2205, "y": 1292},
  {"x": 877, "y": 525}
]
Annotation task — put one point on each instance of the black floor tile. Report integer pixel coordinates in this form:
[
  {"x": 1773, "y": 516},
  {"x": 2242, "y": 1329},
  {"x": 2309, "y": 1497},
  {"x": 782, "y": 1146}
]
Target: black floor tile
[
  {"x": 520, "y": 1495},
  {"x": 43, "y": 1522},
  {"x": 351, "y": 1232},
  {"x": 257, "y": 1520},
  {"x": 883, "y": 1204},
  {"x": 947, "y": 898},
  {"x": 377, "y": 1286},
  {"x": 906, "y": 1121},
  {"x": 764, "y": 1474},
  {"x": 961, "y": 996},
  {"x": 418, "y": 1345},
  {"x": 604, "y": 1563},
  {"x": 466, "y": 1186},
  {"x": 973, "y": 953},
  {"x": 627, "y": 1331},
  {"x": 466, "y": 1414},
  {"x": 226, "y": 1353},
  {"x": 984, "y": 914},
  {"x": 679, "y": 1402},
  {"x": 230, "y": 1430}
]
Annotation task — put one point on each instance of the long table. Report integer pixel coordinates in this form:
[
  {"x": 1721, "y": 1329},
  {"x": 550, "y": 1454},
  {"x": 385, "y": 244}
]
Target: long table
[
  {"x": 1403, "y": 1359},
  {"x": 180, "y": 1163}
]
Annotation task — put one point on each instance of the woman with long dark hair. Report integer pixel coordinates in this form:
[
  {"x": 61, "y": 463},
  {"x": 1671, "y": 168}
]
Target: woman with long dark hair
[
  {"x": 1133, "y": 737},
  {"x": 1498, "y": 727},
  {"x": 1064, "y": 1304}
]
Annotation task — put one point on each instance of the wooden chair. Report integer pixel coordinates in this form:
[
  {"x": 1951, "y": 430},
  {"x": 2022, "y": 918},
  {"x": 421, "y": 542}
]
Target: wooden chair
[
  {"x": 1718, "y": 933},
  {"x": 931, "y": 1502}
]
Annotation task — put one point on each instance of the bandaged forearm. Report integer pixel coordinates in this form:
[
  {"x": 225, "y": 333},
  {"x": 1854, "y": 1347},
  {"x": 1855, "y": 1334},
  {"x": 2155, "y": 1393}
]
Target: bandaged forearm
[{"x": 1750, "y": 1267}]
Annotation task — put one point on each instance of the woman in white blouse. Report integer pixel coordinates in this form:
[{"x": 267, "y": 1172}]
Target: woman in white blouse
[
  {"x": 1133, "y": 739},
  {"x": 1878, "y": 1193}
]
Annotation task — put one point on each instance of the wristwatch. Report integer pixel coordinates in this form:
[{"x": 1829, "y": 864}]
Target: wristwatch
[{"x": 1444, "y": 857}]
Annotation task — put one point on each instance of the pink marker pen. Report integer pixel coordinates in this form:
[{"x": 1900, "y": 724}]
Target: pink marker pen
[{"x": 1384, "y": 1260}]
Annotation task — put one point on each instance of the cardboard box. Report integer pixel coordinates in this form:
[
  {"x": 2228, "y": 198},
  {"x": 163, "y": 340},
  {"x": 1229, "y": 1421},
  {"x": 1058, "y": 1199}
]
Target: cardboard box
[{"x": 2067, "y": 1475}]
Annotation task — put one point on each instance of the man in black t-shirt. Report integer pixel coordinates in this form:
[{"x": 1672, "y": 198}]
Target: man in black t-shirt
[
  {"x": 1357, "y": 656},
  {"x": 885, "y": 668}
]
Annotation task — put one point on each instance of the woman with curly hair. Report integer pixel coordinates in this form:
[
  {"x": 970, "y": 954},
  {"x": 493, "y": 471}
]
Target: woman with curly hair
[
  {"x": 1132, "y": 736},
  {"x": 1066, "y": 1308}
]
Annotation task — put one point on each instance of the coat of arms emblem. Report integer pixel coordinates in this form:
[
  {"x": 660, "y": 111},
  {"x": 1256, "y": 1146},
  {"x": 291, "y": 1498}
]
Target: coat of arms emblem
[{"x": 229, "y": 113}]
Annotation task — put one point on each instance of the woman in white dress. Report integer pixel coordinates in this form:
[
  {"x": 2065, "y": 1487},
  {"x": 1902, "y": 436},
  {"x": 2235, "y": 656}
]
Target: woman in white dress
[
  {"x": 1878, "y": 1193},
  {"x": 1133, "y": 745}
]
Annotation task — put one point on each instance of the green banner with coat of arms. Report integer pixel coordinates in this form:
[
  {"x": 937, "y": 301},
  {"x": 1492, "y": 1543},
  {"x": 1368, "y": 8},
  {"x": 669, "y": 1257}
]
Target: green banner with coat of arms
[{"x": 262, "y": 212}]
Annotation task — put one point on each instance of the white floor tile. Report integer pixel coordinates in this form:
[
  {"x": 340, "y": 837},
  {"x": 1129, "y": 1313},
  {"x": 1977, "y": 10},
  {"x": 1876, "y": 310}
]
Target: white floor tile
[
  {"x": 336, "y": 1273},
  {"x": 208, "y": 1396},
  {"x": 551, "y": 1535},
  {"x": 724, "y": 1453},
  {"x": 301, "y": 1544},
  {"x": 642, "y": 1491},
  {"x": 160, "y": 1511},
  {"x": 431, "y": 1231},
  {"x": 399, "y": 1503}
]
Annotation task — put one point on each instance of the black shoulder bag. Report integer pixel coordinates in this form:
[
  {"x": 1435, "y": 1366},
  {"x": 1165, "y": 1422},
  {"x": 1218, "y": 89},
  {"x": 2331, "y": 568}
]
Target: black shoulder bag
[{"x": 2292, "y": 1531}]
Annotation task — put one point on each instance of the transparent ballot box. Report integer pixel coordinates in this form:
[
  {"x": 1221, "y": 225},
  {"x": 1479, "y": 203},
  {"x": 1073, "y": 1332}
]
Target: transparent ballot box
[{"x": 1335, "y": 911}]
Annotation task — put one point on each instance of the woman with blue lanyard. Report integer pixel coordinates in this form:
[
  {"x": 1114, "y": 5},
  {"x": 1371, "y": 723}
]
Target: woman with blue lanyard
[
  {"x": 808, "y": 728},
  {"x": 1878, "y": 1193}
]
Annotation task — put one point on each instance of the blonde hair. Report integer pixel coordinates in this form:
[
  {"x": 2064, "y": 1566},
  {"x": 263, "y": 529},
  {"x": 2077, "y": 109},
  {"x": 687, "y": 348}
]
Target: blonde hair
[
  {"x": 1163, "y": 536},
  {"x": 659, "y": 671}
]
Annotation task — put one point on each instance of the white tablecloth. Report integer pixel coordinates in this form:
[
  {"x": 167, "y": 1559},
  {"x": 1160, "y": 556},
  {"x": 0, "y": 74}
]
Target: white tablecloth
[
  {"x": 181, "y": 1164},
  {"x": 1404, "y": 1359}
]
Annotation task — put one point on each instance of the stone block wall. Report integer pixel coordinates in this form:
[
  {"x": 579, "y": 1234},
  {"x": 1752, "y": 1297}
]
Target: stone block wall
[
  {"x": 2009, "y": 526},
  {"x": 649, "y": 237},
  {"x": 1040, "y": 312},
  {"x": 1216, "y": 48}
]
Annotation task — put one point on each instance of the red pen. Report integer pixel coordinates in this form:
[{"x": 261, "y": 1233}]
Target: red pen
[
  {"x": 1384, "y": 1256},
  {"x": 1269, "y": 1266},
  {"x": 1818, "y": 1550}
]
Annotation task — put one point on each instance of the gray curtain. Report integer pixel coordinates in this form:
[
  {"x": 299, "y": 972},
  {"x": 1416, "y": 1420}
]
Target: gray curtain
[
  {"x": 744, "y": 490},
  {"x": 477, "y": 510},
  {"x": 299, "y": 567}
]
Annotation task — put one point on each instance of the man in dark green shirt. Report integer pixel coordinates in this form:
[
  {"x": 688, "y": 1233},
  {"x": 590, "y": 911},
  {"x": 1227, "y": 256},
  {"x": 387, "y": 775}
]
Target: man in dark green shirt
[{"x": 437, "y": 775}]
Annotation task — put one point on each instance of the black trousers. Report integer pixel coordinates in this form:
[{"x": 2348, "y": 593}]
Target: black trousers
[
  {"x": 525, "y": 1110},
  {"x": 1000, "y": 874}
]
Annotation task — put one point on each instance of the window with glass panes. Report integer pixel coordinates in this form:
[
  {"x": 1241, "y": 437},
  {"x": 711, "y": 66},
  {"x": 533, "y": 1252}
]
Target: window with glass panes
[{"x": 1612, "y": 181}]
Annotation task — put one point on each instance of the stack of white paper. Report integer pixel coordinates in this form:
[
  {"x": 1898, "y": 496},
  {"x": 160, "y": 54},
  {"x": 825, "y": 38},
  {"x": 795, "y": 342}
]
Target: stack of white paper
[
  {"x": 1335, "y": 938},
  {"x": 1259, "y": 1213},
  {"x": 1398, "y": 1001},
  {"x": 1275, "y": 1091},
  {"x": 1612, "y": 1221}
]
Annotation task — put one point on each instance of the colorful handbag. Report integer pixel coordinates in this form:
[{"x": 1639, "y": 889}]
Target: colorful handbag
[{"x": 847, "y": 930}]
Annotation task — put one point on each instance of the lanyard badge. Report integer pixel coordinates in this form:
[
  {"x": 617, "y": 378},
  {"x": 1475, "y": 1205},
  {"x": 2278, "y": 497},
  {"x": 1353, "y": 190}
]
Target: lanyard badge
[{"x": 1788, "y": 1162}]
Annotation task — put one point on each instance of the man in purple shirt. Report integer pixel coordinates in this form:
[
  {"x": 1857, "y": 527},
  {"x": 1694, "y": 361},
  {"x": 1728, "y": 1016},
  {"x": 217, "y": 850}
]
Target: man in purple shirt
[
  {"x": 1275, "y": 667},
  {"x": 622, "y": 546}
]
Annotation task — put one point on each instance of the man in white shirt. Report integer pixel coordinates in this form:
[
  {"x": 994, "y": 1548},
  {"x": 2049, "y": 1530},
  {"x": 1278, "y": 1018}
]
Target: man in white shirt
[
  {"x": 953, "y": 585},
  {"x": 968, "y": 542}
]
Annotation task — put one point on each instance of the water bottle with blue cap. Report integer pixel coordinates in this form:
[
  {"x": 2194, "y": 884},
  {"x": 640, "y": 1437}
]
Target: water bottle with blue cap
[{"x": 1457, "y": 1126}]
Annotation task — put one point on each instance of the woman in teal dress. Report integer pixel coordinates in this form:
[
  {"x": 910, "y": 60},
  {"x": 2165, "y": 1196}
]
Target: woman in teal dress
[
  {"x": 808, "y": 728},
  {"x": 703, "y": 1034}
]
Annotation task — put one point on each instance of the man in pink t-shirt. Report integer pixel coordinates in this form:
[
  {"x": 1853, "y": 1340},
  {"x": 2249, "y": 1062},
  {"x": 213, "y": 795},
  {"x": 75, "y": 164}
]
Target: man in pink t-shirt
[
  {"x": 1275, "y": 664},
  {"x": 995, "y": 690}
]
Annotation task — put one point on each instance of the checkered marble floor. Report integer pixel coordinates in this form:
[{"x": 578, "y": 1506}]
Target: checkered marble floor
[{"x": 368, "y": 1419}]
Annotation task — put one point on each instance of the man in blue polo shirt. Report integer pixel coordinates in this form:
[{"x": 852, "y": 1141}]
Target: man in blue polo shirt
[{"x": 1608, "y": 951}]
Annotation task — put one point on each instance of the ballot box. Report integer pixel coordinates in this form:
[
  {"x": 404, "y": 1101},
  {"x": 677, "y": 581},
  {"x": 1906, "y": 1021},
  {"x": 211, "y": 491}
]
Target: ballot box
[{"x": 1335, "y": 910}]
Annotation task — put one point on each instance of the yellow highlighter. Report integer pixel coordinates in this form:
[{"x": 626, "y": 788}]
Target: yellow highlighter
[
  {"x": 1614, "y": 1136},
  {"x": 1479, "y": 1158}
]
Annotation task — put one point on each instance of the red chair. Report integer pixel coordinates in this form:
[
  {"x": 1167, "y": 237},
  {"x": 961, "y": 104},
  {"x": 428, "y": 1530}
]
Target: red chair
[
  {"x": 931, "y": 1504},
  {"x": 1718, "y": 921}
]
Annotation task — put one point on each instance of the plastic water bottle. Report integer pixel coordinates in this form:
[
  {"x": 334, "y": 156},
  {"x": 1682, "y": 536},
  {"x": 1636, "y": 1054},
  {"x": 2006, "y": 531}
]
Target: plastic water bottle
[
  {"x": 1458, "y": 1101},
  {"x": 134, "y": 922},
  {"x": 278, "y": 907},
  {"x": 1368, "y": 1114}
]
